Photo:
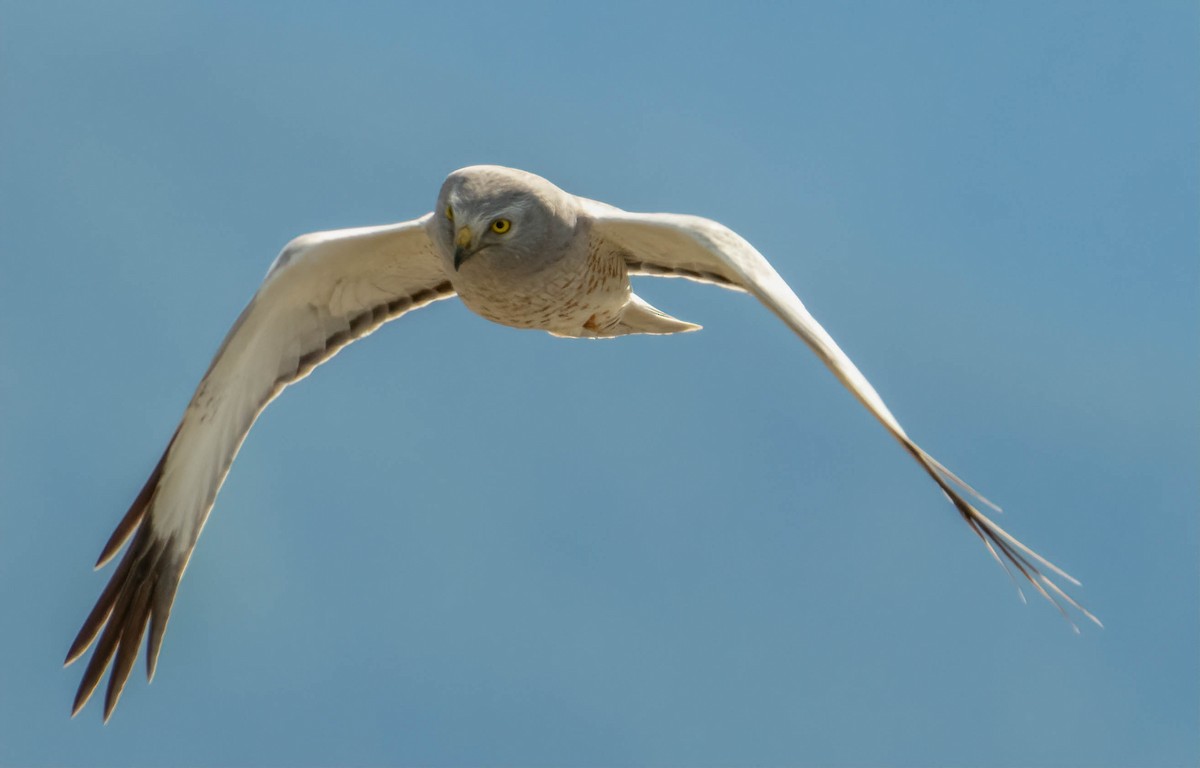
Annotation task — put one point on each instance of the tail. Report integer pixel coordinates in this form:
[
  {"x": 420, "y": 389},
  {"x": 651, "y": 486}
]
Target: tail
[{"x": 640, "y": 317}]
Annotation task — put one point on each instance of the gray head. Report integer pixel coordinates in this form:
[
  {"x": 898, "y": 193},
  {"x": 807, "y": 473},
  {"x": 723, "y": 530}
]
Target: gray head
[{"x": 510, "y": 218}]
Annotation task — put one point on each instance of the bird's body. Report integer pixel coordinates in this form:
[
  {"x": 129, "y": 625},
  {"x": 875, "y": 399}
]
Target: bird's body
[
  {"x": 518, "y": 251},
  {"x": 580, "y": 293},
  {"x": 574, "y": 284}
]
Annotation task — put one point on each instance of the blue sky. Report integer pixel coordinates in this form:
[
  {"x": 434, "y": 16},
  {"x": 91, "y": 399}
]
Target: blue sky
[{"x": 461, "y": 544}]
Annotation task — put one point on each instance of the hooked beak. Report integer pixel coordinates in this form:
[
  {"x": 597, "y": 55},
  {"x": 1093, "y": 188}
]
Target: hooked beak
[{"x": 462, "y": 242}]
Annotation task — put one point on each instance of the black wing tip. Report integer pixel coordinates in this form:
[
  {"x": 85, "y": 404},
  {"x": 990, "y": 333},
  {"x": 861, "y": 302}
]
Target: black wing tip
[
  {"x": 72, "y": 657},
  {"x": 142, "y": 587},
  {"x": 110, "y": 550},
  {"x": 133, "y": 518},
  {"x": 136, "y": 589},
  {"x": 1005, "y": 548},
  {"x": 1009, "y": 551},
  {"x": 110, "y": 703},
  {"x": 79, "y": 702},
  {"x": 76, "y": 650}
]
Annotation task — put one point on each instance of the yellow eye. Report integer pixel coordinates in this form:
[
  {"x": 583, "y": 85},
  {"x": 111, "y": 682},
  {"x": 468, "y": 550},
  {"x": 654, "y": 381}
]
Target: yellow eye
[
  {"x": 500, "y": 226},
  {"x": 449, "y": 213}
]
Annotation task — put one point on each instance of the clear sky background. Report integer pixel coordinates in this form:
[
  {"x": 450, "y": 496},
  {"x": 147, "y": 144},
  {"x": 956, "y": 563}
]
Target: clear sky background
[{"x": 462, "y": 544}]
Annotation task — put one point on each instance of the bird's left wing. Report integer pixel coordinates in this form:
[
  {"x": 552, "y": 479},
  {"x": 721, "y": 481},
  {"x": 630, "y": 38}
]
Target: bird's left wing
[
  {"x": 324, "y": 291},
  {"x": 674, "y": 245}
]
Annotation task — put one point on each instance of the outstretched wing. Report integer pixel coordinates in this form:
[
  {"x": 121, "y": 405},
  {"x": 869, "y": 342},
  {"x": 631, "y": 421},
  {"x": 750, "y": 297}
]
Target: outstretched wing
[
  {"x": 324, "y": 291},
  {"x": 699, "y": 249}
]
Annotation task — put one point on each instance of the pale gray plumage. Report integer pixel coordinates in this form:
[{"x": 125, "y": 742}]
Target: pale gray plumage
[{"x": 517, "y": 250}]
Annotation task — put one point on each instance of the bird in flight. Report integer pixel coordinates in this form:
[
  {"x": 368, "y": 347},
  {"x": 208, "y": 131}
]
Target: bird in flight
[{"x": 515, "y": 249}]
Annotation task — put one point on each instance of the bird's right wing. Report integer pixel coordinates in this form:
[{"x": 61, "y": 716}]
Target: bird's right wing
[{"x": 324, "y": 291}]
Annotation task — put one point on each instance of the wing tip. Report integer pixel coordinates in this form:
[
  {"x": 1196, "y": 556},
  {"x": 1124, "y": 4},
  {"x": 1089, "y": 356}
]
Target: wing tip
[
  {"x": 134, "y": 591},
  {"x": 999, "y": 541},
  {"x": 138, "y": 597},
  {"x": 133, "y": 518},
  {"x": 73, "y": 655}
]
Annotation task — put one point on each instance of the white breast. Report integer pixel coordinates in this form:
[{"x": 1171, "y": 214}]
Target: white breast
[{"x": 578, "y": 294}]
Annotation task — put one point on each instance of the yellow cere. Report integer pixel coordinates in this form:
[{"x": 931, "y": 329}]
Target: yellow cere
[
  {"x": 449, "y": 213},
  {"x": 500, "y": 226}
]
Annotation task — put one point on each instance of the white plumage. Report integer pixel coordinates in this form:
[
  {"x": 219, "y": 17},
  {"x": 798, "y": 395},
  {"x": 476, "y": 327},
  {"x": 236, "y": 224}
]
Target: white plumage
[{"x": 517, "y": 250}]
